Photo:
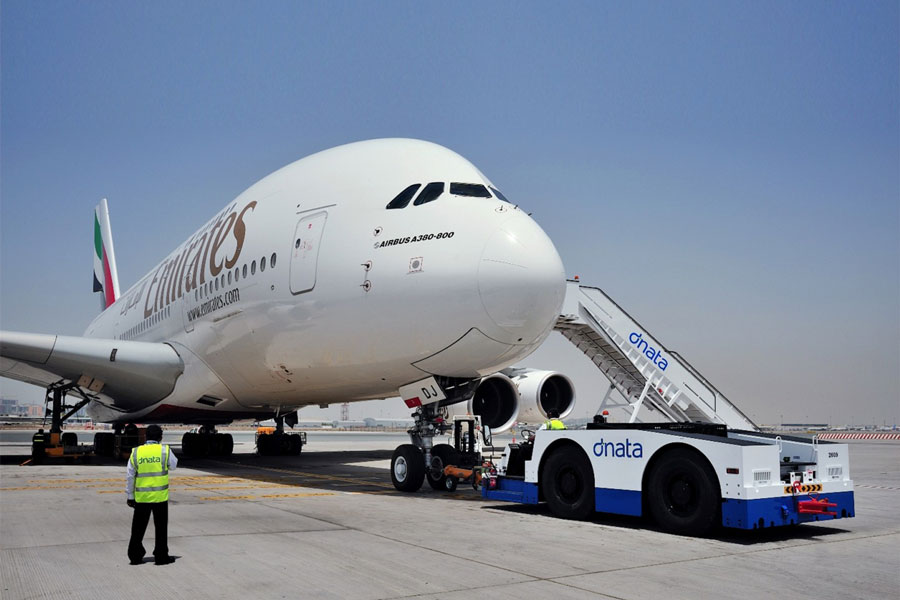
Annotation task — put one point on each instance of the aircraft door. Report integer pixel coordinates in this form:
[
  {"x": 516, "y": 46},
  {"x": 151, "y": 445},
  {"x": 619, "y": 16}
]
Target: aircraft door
[{"x": 305, "y": 252}]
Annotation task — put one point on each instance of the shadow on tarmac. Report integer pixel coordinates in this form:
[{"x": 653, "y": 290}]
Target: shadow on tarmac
[{"x": 806, "y": 531}]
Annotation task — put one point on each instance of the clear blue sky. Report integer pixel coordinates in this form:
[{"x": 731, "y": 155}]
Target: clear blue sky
[{"x": 729, "y": 172}]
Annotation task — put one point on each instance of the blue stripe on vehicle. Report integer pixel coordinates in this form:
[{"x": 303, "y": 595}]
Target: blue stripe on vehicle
[
  {"x": 775, "y": 512},
  {"x": 620, "y": 502}
]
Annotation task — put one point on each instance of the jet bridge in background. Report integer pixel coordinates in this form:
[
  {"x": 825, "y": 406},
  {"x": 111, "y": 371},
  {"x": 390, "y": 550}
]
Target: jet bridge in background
[{"x": 642, "y": 370}]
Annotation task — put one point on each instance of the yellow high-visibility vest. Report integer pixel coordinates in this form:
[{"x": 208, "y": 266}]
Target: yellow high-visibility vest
[
  {"x": 554, "y": 424},
  {"x": 151, "y": 479}
]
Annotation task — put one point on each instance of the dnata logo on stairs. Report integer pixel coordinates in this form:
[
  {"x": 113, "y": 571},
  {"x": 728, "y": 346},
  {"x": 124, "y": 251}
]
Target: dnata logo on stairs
[
  {"x": 649, "y": 351},
  {"x": 618, "y": 450}
]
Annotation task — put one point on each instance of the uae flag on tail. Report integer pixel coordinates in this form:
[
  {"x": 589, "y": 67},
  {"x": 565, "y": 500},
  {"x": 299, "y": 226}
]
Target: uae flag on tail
[{"x": 106, "y": 279}]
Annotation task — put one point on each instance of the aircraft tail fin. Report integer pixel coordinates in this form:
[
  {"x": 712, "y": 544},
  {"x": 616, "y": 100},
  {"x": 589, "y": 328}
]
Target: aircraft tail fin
[{"x": 106, "y": 278}]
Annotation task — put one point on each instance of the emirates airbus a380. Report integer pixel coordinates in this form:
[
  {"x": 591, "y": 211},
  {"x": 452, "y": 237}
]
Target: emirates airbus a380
[{"x": 375, "y": 269}]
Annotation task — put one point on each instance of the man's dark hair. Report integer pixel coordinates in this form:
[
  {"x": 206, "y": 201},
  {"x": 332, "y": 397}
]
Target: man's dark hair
[
  {"x": 154, "y": 432},
  {"x": 552, "y": 414}
]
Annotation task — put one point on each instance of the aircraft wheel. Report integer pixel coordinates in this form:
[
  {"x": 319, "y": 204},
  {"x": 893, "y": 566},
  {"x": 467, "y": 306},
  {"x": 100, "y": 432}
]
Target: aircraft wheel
[
  {"x": 104, "y": 443},
  {"x": 568, "y": 483},
  {"x": 441, "y": 456},
  {"x": 262, "y": 445},
  {"x": 683, "y": 493},
  {"x": 226, "y": 444},
  {"x": 407, "y": 468}
]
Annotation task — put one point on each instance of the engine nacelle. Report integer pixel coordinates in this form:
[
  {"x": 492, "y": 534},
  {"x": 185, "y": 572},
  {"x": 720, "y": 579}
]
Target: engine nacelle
[
  {"x": 496, "y": 401},
  {"x": 518, "y": 395},
  {"x": 541, "y": 392}
]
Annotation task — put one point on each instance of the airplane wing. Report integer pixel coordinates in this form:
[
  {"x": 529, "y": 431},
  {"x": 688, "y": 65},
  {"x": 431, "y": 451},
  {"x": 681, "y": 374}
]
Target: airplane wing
[{"x": 133, "y": 375}]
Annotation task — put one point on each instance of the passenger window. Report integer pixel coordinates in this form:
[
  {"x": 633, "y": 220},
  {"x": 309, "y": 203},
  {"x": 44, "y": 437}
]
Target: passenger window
[
  {"x": 229, "y": 277},
  {"x": 237, "y": 274},
  {"x": 244, "y": 272},
  {"x": 431, "y": 192},
  {"x": 253, "y": 268},
  {"x": 469, "y": 189},
  {"x": 404, "y": 197},
  {"x": 262, "y": 264},
  {"x": 272, "y": 261},
  {"x": 498, "y": 194},
  {"x": 217, "y": 285}
]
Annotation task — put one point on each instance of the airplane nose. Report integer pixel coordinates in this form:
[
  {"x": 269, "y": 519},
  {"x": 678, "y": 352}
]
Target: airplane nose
[{"x": 521, "y": 281}]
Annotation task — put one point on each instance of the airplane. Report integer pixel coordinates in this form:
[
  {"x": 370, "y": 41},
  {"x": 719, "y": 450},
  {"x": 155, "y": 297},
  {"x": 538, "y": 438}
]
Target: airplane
[{"x": 374, "y": 269}]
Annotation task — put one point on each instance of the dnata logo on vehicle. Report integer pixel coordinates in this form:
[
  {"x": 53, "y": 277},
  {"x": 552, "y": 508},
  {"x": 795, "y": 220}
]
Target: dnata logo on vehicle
[
  {"x": 649, "y": 351},
  {"x": 618, "y": 449}
]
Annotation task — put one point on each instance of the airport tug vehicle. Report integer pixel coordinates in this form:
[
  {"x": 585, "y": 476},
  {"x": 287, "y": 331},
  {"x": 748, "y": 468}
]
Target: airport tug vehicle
[
  {"x": 688, "y": 477},
  {"x": 687, "y": 456}
]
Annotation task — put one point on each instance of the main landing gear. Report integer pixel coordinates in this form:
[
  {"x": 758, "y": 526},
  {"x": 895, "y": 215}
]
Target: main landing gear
[
  {"x": 275, "y": 441},
  {"x": 206, "y": 441}
]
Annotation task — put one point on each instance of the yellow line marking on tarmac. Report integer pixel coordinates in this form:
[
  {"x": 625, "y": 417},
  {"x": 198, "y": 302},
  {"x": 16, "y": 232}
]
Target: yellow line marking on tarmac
[
  {"x": 310, "y": 475},
  {"x": 268, "y": 496}
]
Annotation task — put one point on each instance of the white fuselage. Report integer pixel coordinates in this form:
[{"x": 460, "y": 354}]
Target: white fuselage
[{"x": 360, "y": 299}]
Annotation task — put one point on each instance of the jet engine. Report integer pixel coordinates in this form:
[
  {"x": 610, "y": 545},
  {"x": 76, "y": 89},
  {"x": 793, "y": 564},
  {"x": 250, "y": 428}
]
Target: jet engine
[
  {"x": 496, "y": 401},
  {"x": 518, "y": 395},
  {"x": 541, "y": 392}
]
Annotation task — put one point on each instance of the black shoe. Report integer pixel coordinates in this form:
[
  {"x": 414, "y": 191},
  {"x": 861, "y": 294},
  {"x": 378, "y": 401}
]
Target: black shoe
[
  {"x": 136, "y": 562},
  {"x": 165, "y": 560}
]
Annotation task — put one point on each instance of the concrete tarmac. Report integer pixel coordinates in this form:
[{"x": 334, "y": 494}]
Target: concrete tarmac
[{"x": 328, "y": 524}]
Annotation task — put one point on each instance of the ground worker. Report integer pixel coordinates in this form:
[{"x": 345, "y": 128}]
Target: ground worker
[
  {"x": 147, "y": 486},
  {"x": 553, "y": 421},
  {"x": 38, "y": 445}
]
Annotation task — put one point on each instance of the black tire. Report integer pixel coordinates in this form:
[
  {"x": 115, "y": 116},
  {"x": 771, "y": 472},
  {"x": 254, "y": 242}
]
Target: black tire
[
  {"x": 450, "y": 483},
  {"x": 187, "y": 444},
  {"x": 69, "y": 438},
  {"x": 568, "y": 483},
  {"x": 441, "y": 456},
  {"x": 104, "y": 443},
  {"x": 226, "y": 444},
  {"x": 683, "y": 493},
  {"x": 407, "y": 468},
  {"x": 296, "y": 445},
  {"x": 263, "y": 445}
]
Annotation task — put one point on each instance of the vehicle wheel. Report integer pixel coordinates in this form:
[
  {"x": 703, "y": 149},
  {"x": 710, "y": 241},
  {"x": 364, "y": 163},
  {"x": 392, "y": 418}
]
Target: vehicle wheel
[
  {"x": 568, "y": 483},
  {"x": 441, "y": 456},
  {"x": 262, "y": 445},
  {"x": 407, "y": 468},
  {"x": 226, "y": 444},
  {"x": 296, "y": 445},
  {"x": 683, "y": 493},
  {"x": 69, "y": 438},
  {"x": 104, "y": 443},
  {"x": 450, "y": 483},
  {"x": 215, "y": 444},
  {"x": 187, "y": 444}
]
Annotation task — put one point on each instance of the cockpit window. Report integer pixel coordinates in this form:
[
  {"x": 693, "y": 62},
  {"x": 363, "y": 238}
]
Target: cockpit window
[
  {"x": 499, "y": 195},
  {"x": 431, "y": 192},
  {"x": 404, "y": 197},
  {"x": 469, "y": 189}
]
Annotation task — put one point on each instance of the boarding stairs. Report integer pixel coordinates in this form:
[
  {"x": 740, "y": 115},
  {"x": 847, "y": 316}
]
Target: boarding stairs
[{"x": 641, "y": 369}]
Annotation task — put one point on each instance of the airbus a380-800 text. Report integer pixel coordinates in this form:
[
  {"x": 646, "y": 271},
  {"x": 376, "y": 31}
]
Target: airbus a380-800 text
[{"x": 371, "y": 270}]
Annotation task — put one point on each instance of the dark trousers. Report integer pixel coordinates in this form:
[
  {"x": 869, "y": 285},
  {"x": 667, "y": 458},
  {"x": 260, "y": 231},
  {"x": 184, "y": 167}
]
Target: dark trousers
[{"x": 139, "y": 522}]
